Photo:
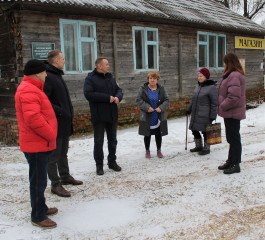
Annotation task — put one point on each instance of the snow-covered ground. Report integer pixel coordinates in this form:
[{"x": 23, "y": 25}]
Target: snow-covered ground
[{"x": 182, "y": 196}]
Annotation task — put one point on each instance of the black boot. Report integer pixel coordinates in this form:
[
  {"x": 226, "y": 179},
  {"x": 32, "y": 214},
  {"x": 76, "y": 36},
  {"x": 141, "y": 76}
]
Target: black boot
[
  {"x": 234, "y": 168},
  {"x": 206, "y": 149},
  {"x": 100, "y": 170},
  {"x": 114, "y": 166},
  {"x": 226, "y": 165},
  {"x": 198, "y": 145}
]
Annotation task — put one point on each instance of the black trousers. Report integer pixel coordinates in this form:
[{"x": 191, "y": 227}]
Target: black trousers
[
  {"x": 111, "y": 130},
  {"x": 38, "y": 183},
  {"x": 232, "y": 131},
  {"x": 58, "y": 161},
  {"x": 197, "y": 135}
]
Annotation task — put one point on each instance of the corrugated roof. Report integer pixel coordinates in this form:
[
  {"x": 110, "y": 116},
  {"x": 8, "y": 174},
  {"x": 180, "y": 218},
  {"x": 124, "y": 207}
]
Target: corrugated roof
[{"x": 204, "y": 13}]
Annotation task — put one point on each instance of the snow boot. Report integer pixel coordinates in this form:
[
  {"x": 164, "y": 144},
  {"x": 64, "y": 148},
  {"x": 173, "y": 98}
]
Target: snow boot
[
  {"x": 234, "y": 168},
  {"x": 206, "y": 149},
  {"x": 226, "y": 165},
  {"x": 198, "y": 145}
]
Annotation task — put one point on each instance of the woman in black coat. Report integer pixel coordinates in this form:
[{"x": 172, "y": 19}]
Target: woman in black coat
[
  {"x": 153, "y": 101},
  {"x": 203, "y": 109}
]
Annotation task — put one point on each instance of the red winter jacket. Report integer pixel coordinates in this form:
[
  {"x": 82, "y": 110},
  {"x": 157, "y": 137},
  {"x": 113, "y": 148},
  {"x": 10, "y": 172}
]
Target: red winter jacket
[{"x": 36, "y": 118}]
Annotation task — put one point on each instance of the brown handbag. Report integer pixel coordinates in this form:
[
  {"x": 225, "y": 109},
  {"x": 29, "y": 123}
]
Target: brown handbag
[{"x": 213, "y": 133}]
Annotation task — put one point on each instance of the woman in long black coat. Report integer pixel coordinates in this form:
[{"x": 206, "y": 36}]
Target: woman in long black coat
[
  {"x": 203, "y": 109},
  {"x": 153, "y": 101}
]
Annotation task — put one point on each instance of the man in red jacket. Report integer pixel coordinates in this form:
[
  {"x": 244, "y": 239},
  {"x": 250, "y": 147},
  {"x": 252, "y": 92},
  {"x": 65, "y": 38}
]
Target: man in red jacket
[{"x": 37, "y": 137}]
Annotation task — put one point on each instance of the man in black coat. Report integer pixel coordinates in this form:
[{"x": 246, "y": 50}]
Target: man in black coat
[
  {"x": 58, "y": 94},
  {"x": 103, "y": 94}
]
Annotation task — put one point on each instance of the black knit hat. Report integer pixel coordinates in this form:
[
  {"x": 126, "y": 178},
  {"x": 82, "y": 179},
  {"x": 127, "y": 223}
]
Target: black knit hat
[{"x": 34, "y": 66}]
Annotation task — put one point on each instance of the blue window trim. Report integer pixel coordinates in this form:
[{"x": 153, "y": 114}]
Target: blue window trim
[
  {"x": 80, "y": 40},
  {"x": 206, "y": 43},
  {"x": 146, "y": 44}
]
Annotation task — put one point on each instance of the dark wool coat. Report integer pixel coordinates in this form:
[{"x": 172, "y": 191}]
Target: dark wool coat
[
  {"x": 143, "y": 102},
  {"x": 56, "y": 90},
  {"x": 36, "y": 119},
  {"x": 98, "y": 88},
  {"x": 203, "y": 106},
  {"x": 232, "y": 96}
]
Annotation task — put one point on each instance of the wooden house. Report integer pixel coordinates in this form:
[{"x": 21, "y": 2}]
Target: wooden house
[{"x": 175, "y": 37}]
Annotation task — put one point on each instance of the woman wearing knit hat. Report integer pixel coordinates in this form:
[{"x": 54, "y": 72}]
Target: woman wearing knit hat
[{"x": 203, "y": 109}]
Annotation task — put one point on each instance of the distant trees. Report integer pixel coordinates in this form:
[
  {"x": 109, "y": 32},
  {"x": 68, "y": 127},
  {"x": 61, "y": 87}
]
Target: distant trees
[{"x": 248, "y": 8}]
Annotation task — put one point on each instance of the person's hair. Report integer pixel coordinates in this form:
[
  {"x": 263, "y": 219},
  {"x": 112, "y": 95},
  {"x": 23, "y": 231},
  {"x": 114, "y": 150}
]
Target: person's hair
[
  {"x": 232, "y": 63},
  {"x": 153, "y": 74},
  {"x": 53, "y": 54},
  {"x": 99, "y": 60}
]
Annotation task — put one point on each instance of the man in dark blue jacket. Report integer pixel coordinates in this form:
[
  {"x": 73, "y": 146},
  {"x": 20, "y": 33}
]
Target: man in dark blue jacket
[
  {"x": 58, "y": 94},
  {"x": 103, "y": 94}
]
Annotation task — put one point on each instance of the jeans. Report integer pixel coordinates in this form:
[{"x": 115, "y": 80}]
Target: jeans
[
  {"x": 38, "y": 183},
  {"x": 232, "y": 128},
  {"x": 59, "y": 161},
  {"x": 111, "y": 130}
]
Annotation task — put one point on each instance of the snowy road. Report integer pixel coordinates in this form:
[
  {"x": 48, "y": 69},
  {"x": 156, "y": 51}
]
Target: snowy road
[{"x": 182, "y": 196}]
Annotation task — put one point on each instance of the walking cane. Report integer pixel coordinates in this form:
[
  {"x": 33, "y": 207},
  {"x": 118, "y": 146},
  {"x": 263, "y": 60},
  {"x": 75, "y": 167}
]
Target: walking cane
[{"x": 186, "y": 142}]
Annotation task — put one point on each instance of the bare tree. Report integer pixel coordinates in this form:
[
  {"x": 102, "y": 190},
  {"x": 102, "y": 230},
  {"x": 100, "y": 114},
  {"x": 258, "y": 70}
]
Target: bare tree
[{"x": 248, "y": 8}]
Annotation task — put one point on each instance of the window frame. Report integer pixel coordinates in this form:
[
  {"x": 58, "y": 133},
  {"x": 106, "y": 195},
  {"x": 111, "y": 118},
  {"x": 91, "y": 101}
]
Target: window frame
[
  {"x": 207, "y": 44},
  {"x": 146, "y": 44},
  {"x": 79, "y": 42}
]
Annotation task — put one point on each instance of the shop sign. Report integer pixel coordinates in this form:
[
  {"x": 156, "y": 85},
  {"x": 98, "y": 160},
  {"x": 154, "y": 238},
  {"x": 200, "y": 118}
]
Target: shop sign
[{"x": 249, "y": 43}]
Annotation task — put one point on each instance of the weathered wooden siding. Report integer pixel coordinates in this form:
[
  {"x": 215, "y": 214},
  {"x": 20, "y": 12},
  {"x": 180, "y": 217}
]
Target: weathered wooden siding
[
  {"x": 37, "y": 26},
  {"x": 9, "y": 37},
  {"x": 177, "y": 63}
]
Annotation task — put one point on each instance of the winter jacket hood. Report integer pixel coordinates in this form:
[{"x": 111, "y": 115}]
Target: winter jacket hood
[
  {"x": 208, "y": 82},
  {"x": 36, "y": 118}
]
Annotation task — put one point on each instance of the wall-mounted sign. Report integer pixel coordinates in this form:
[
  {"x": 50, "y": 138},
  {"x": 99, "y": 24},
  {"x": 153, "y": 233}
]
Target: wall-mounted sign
[
  {"x": 249, "y": 43},
  {"x": 40, "y": 50}
]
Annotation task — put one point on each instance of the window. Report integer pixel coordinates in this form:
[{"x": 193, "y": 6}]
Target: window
[
  {"x": 79, "y": 45},
  {"x": 211, "y": 50},
  {"x": 145, "y": 48}
]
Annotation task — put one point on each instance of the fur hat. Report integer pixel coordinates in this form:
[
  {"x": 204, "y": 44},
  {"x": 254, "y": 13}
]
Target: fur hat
[
  {"x": 34, "y": 66},
  {"x": 205, "y": 72}
]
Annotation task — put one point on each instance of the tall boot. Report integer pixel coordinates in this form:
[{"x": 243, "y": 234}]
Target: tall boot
[
  {"x": 206, "y": 149},
  {"x": 198, "y": 145}
]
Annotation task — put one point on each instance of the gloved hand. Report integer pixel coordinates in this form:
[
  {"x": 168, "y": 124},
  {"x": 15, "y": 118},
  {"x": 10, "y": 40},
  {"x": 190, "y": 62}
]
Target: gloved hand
[{"x": 188, "y": 112}]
